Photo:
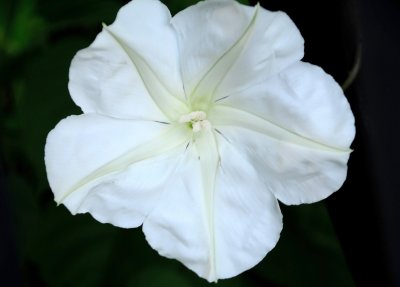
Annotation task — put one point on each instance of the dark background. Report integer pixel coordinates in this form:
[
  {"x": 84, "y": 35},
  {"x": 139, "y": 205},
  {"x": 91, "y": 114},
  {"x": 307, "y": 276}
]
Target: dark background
[
  {"x": 352, "y": 238},
  {"x": 345, "y": 37}
]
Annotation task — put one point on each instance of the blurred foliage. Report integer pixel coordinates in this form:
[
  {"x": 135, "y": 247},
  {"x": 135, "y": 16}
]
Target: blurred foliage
[
  {"x": 20, "y": 26},
  {"x": 38, "y": 39}
]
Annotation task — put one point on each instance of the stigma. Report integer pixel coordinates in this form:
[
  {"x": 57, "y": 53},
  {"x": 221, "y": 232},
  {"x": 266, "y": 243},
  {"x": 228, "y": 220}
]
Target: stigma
[{"x": 197, "y": 120}]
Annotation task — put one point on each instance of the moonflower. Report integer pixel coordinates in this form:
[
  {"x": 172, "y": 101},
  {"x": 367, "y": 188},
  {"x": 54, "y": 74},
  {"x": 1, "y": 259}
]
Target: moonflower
[{"x": 195, "y": 126}]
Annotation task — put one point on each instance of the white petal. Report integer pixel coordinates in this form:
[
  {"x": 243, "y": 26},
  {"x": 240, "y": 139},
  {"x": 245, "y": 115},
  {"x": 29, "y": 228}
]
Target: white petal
[
  {"x": 304, "y": 100},
  {"x": 294, "y": 171},
  {"x": 228, "y": 45},
  {"x": 248, "y": 218},
  {"x": 177, "y": 227},
  {"x": 112, "y": 168},
  {"x": 217, "y": 225},
  {"x": 125, "y": 198},
  {"x": 126, "y": 72}
]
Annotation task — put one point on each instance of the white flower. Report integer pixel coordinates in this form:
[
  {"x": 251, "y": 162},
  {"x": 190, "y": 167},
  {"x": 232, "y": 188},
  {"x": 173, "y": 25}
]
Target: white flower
[{"x": 195, "y": 126}]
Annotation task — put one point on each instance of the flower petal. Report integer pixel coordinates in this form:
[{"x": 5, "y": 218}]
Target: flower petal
[
  {"x": 248, "y": 219},
  {"x": 226, "y": 46},
  {"x": 218, "y": 232},
  {"x": 294, "y": 171},
  {"x": 126, "y": 67},
  {"x": 177, "y": 227},
  {"x": 112, "y": 168},
  {"x": 304, "y": 100}
]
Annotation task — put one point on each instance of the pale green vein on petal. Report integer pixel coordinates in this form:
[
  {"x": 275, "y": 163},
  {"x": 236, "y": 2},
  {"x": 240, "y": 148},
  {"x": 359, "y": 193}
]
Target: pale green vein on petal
[
  {"x": 203, "y": 94},
  {"x": 207, "y": 149},
  {"x": 174, "y": 137},
  {"x": 170, "y": 105},
  {"x": 228, "y": 116}
]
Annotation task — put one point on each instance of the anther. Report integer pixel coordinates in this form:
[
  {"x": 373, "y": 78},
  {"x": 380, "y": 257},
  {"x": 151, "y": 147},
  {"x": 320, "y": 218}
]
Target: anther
[{"x": 198, "y": 120}]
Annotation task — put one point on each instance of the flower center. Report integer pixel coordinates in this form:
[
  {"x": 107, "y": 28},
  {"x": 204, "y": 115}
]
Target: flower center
[{"x": 197, "y": 120}]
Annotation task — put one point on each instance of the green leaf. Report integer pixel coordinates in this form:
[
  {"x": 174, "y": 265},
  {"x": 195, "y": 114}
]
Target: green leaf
[
  {"x": 178, "y": 5},
  {"x": 26, "y": 211},
  {"x": 72, "y": 14},
  {"x": 43, "y": 100},
  {"x": 159, "y": 276},
  {"x": 308, "y": 252},
  {"x": 72, "y": 251},
  {"x": 20, "y": 26}
]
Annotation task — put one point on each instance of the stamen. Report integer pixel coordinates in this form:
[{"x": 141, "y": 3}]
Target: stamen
[{"x": 198, "y": 121}]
